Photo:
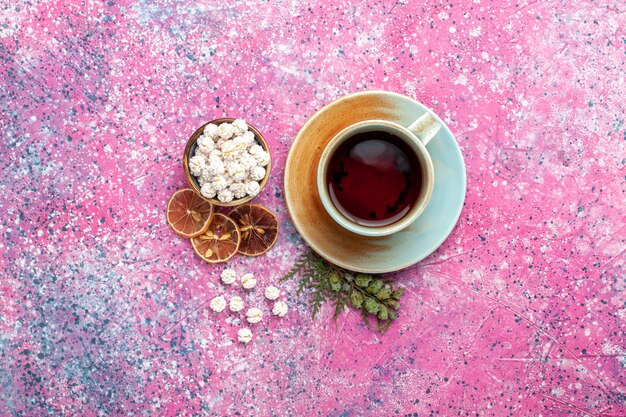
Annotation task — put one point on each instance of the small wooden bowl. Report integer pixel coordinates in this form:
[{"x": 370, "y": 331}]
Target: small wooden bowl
[{"x": 190, "y": 149}]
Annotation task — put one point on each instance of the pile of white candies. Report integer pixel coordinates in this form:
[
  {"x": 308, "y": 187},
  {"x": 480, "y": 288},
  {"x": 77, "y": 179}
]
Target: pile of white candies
[
  {"x": 228, "y": 162},
  {"x": 236, "y": 303}
]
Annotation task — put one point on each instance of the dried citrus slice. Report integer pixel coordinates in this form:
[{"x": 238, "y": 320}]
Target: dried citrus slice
[
  {"x": 258, "y": 227},
  {"x": 219, "y": 242},
  {"x": 188, "y": 214}
]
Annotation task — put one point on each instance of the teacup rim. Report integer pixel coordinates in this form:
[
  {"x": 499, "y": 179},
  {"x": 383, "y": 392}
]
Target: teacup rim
[{"x": 402, "y": 223}]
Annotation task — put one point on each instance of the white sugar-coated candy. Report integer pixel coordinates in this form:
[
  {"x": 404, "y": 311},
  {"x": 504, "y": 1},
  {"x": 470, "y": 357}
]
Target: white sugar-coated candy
[
  {"x": 280, "y": 309},
  {"x": 229, "y": 162},
  {"x": 196, "y": 164},
  {"x": 248, "y": 281},
  {"x": 248, "y": 138},
  {"x": 236, "y": 304},
  {"x": 255, "y": 149},
  {"x": 262, "y": 158},
  {"x": 218, "y": 304},
  {"x": 254, "y": 315},
  {"x": 207, "y": 190},
  {"x": 214, "y": 167},
  {"x": 237, "y": 171},
  {"x": 210, "y": 131},
  {"x": 225, "y": 131},
  {"x": 240, "y": 126},
  {"x": 238, "y": 189},
  {"x": 216, "y": 153},
  {"x": 244, "y": 335},
  {"x": 205, "y": 144},
  {"x": 229, "y": 276},
  {"x": 219, "y": 182},
  {"x": 228, "y": 149},
  {"x": 253, "y": 188},
  {"x": 247, "y": 160},
  {"x": 257, "y": 173},
  {"x": 225, "y": 195},
  {"x": 272, "y": 293}
]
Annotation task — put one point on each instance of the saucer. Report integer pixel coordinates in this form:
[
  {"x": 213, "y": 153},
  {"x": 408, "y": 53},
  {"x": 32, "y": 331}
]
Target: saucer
[{"x": 361, "y": 253}]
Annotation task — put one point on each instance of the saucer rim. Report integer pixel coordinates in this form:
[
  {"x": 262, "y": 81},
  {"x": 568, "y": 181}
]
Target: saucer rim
[{"x": 453, "y": 217}]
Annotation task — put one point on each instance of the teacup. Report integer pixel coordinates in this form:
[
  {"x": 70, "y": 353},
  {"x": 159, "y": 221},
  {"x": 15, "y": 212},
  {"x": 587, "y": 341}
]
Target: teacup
[{"x": 375, "y": 177}]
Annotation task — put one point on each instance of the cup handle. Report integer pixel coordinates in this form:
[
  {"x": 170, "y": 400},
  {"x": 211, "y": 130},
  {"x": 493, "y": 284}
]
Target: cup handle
[{"x": 425, "y": 127}]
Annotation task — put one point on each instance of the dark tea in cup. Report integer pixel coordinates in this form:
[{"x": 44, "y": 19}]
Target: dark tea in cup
[{"x": 374, "y": 178}]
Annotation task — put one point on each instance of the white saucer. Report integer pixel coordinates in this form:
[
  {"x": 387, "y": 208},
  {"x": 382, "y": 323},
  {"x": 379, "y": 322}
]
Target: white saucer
[{"x": 361, "y": 253}]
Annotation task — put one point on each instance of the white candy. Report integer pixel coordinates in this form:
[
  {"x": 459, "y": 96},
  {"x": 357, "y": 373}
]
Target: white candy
[
  {"x": 233, "y": 155},
  {"x": 238, "y": 189},
  {"x": 225, "y": 131},
  {"x": 262, "y": 158},
  {"x": 216, "y": 153},
  {"x": 253, "y": 188},
  {"x": 237, "y": 171},
  {"x": 202, "y": 154},
  {"x": 255, "y": 149},
  {"x": 210, "y": 131},
  {"x": 215, "y": 167},
  {"x": 236, "y": 304},
  {"x": 207, "y": 175},
  {"x": 219, "y": 183},
  {"x": 240, "y": 176},
  {"x": 244, "y": 335},
  {"x": 240, "y": 144},
  {"x": 229, "y": 162},
  {"x": 272, "y": 293},
  {"x": 197, "y": 164},
  {"x": 233, "y": 167},
  {"x": 248, "y": 281},
  {"x": 225, "y": 195},
  {"x": 218, "y": 304},
  {"x": 205, "y": 144},
  {"x": 254, "y": 315},
  {"x": 248, "y": 138},
  {"x": 207, "y": 190},
  {"x": 280, "y": 309},
  {"x": 247, "y": 161},
  {"x": 229, "y": 151},
  {"x": 229, "y": 276},
  {"x": 240, "y": 126},
  {"x": 257, "y": 173}
]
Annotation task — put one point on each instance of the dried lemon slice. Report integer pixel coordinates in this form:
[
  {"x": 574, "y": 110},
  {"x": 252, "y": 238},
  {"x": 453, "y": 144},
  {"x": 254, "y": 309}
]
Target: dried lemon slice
[
  {"x": 219, "y": 242},
  {"x": 188, "y": 214},
  {"x": 258, "y": 227}
]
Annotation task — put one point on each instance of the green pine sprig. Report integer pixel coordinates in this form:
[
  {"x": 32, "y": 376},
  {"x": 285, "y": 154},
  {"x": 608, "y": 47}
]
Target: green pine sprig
[{"x": 371, "y": 295}]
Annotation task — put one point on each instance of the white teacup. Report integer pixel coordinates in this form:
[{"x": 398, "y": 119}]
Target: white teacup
[{"x": 376, "y": 177}]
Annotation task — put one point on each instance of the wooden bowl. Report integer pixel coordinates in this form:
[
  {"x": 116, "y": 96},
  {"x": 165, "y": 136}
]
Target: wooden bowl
[{"x": 190, "y": 149}]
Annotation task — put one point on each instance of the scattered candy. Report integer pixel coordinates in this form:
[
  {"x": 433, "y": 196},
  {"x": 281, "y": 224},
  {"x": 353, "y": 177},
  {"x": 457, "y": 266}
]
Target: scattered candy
[
  {"x": 218, "y": 304},
  {"x": 272, "y": 293},
  {"x": 280, "y": 309},
  {"x": 254, "y": 315},
  {"x": 248, "y": 281},
  {"x": 229, "y": 276},
  {"x": 244, "y": 335},
  {"x": 236, "y": 304}
]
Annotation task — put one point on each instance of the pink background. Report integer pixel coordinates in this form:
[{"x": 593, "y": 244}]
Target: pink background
[{"x": 522, "y": 310}]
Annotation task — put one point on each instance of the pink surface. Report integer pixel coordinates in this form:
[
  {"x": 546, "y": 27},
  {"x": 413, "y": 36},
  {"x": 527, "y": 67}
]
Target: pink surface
[{"x": 522, "y": 311}]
